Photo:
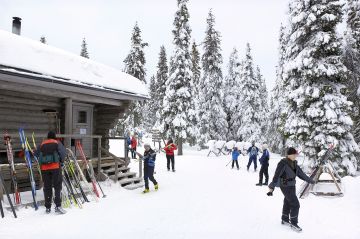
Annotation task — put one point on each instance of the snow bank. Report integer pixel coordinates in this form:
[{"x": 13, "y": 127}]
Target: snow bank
[{"x": 26, "y": 54}]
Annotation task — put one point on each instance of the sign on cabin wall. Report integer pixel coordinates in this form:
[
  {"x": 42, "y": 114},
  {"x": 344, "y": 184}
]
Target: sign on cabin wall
[{"x": 82, "y": 131}]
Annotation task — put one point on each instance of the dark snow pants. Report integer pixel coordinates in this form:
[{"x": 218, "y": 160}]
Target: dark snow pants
[
  {"x": 52, "y": 178},
  {"x": 252, "y": 159},
  {"x": 264, "y": 172},
  {"x": 149, "y": 174},
  {"x": 133, "y": 153},
  {"x": 291, "y": 204},
  {"x": 170, "y": 160},
  {"x": 235, "y": 162}
]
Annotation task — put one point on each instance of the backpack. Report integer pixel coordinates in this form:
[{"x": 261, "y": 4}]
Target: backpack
[
  {"x": 49, "y": 158},
  {"x": 253, "y": 151}
]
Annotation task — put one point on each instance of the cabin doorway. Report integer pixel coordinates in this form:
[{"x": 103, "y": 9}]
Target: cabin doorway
[{"x": 83, "y": 125}]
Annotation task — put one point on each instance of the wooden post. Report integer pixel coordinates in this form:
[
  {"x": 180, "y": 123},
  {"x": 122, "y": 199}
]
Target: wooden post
[
  {"x": 68, "y": 121},
  {"x": 116, "y": 170},
  {"x": 99, "y": 156}
]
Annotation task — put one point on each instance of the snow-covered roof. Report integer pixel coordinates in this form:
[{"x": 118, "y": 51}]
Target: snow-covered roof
[{"x": 21, "y": 54}]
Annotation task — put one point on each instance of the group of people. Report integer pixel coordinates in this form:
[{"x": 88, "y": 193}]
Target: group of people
[{"x": 285, "y": 177}]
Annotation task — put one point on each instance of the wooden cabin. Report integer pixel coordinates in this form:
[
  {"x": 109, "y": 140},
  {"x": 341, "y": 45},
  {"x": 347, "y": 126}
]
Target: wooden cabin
[{"x": 44, "y": 88}]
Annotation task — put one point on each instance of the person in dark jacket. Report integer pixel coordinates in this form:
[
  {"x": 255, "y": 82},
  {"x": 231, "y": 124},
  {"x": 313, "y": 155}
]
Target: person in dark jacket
[
  {"x": 169, "y": 148},
  {"x": 285, "y": 175},
  {"x": 264, "y": 161},
  {"x": 149, "y": 158},
  {"x": 253, "y": 152},
  {"x": 128, "y": 144},
  {"x": 133, "y": 147},
  {"x": 235, "y": 155},
  {"x": 51, "y": 154}
]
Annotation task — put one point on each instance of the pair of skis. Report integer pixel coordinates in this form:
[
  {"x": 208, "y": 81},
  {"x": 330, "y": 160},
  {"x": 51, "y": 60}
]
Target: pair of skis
[
  {"x": 2, "y": 184},
  {"x": 89, "y": 170}
]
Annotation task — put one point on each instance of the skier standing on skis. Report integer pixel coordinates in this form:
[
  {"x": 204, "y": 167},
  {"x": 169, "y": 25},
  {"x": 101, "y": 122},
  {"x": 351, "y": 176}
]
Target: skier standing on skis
[
  {"x": 51, "y": 154},
  {"x": 169, "y": 148},
  {"x": 285, "y": 175},
  {"x": 235, "y": 155},
  {"x": 253, "y": 152},
  {"x": 264, "y": 161},
  {"x": 149, "y": 166}
]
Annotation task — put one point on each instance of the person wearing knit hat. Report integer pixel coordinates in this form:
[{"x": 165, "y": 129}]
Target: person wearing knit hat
[
  {"x": 264, "y": 161},
  {"x": 285, "y": 177},
  {"x": 149, "y": 167}
]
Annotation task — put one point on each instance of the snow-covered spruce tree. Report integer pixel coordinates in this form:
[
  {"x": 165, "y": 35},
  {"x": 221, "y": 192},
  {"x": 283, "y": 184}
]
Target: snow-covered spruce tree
[
  {"x": 84, "y": 51},
  {"x": 314, "y": 72},
  {"x": 232, "y": 96},
  {"x": 251, "y": 120},
  {"x": 212, "y": 118},
  {"x": 135, "y": 66},
  {"x": 178, "y": 111},
  {"x": 264, "y": 106},
  {"x": 151, "y": 106},
  {"x": 275, "y": 127},
  {"x": 161, "y": 79},
  {"x": 352, "y": 62},
  {"x": 43, "y": 39}
]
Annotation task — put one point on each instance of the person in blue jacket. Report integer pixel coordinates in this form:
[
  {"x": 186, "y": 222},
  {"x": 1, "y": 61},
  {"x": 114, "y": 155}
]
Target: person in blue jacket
[
  {"x": 235, "y": 154},
  {"x": 253, "y": 152},
  {"x": 149, "y": 166},
  {"x": 264, "y": 161}
]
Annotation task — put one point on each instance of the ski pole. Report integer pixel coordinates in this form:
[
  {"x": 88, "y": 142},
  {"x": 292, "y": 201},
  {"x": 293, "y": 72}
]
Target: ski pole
[{"x": 228, "y": 163}]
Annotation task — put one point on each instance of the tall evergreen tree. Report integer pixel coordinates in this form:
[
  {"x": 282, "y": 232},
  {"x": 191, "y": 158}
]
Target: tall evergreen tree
[
  {"x": 43, "y": 39},
  {"x": 151, "y": 106},
  {"x": 352, "y": 62},
  {"x": 178, "y": 108},
  {"x": 84, "y": 51},
  {"x": 232, "y": 96},
  {"x": 251, "y": 120},
  {"x": 212, "y": 118},
  {"x": 161, "y": 79},
  {"x": 275, "y": 129},
  {"x": 264, "y": 107},
  {"x": 195, "y": 67},
  {"x": 135, "y": 60},
  {"x": 315, "y": 75},
  {"x": 135, "y": 66}
]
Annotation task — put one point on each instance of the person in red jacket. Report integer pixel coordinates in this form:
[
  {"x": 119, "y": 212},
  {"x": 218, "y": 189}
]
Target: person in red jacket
[
  {"x": 133, "y": 147},
  {"x": 169, "y": 148}
]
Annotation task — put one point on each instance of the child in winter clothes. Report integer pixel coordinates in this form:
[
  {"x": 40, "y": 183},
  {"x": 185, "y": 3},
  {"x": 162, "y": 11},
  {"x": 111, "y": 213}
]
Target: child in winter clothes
[
  {"x": 169, "y": 148},
  {"x": 253, "y": 152},
  {"x": 264, "y": 161},
  {"x": 235, "y": 154},
  {"x": 149, "y": 166}
]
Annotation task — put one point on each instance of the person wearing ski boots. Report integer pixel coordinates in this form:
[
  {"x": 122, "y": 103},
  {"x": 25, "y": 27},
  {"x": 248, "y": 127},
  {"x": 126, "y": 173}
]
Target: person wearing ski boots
[
  {"x": 264, "y": 161},
  {"x": 286, "y": 172},
  {"x": 253, "y": 152},
  {"x": 235, "y": 155},
  {"x": 149, "y": 158},
  {"x": 51, "y": 154},
  {"x": 169, "y": 148}
]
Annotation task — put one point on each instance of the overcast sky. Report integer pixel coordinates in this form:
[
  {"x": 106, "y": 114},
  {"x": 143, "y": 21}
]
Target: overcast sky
[{"x": 107, "y": 26}]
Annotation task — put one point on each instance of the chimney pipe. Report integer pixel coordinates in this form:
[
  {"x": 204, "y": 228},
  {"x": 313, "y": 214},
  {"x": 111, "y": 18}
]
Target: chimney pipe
[{"x": 16, "y": 27}]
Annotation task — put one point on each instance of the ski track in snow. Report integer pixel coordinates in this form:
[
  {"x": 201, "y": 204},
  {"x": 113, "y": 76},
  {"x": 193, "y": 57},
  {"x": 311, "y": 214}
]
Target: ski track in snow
[{"x": 203, "y": 199}]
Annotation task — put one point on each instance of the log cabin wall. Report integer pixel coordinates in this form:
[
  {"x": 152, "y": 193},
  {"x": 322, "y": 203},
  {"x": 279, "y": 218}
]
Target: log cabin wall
[{"x": 29, "y": 112}]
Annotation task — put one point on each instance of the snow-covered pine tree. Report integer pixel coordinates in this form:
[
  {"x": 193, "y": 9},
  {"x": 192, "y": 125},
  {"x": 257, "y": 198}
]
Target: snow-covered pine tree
[
  {"x": 251, "y": 120},
  {"x": 275, "y": 128},
  {"x": 232, "y": 96},
  {"x": 151, "y": 106},
  {"x": 43, "y": 39},
  {"x": 264, "y": 106},
  {"x": 84, "y": 51},
  {"x": 314, "y": 72},
  {"x": 178, "y": 111},
  {"x": 161, "y": 79},
  {"x": 135, "y": 66},
  {"x": 212, "y": 118},
  {"x": 352, "y": 62},
  {"x": 195, "y": 67}
]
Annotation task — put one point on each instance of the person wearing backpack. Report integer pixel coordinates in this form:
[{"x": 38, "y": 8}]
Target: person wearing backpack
[
  {"x": 253, "y": 152},
  {"x": 264, "y": 161},
  {"x": 285, "y": 177},
  {"x": 169, "y": 148},
  {"x": 235, "y": 155},
  {"x": 51, "y": 154},
  {"x": 149, "y": 158}
]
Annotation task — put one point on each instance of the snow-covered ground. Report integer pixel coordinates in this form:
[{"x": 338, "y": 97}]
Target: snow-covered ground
[{"x": 203, "y": 199}]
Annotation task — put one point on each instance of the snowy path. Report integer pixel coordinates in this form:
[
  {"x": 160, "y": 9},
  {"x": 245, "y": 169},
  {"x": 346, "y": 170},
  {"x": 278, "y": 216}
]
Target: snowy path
[{"x": 203, "y": 199}]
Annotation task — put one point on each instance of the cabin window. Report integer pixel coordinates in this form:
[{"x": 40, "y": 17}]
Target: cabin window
[{"x": 82, "y": 119}]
